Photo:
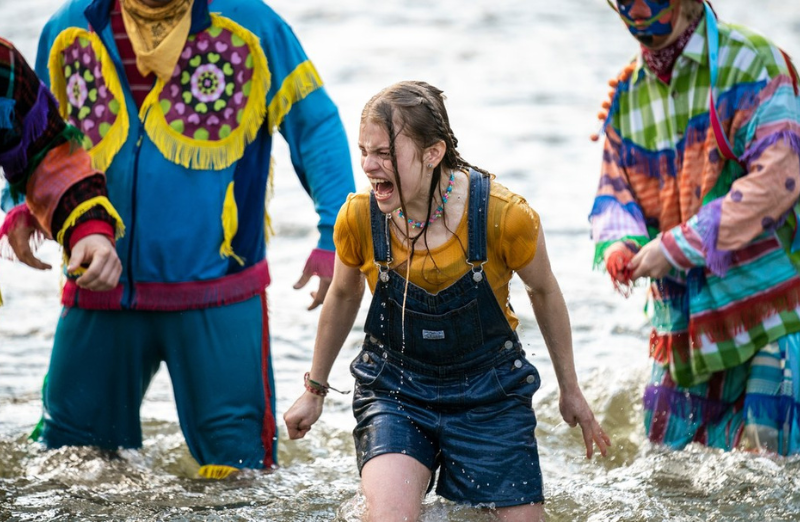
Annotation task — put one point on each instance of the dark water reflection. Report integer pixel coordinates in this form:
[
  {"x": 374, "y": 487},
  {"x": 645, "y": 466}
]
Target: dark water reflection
[{"x": 524, "y": 80}]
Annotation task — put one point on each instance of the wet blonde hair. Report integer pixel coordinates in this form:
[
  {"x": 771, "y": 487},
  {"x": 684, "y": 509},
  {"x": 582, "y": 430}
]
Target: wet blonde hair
[{"x": 416, "y": 109}]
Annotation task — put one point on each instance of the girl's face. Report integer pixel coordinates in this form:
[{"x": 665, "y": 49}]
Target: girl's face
[
  {"x": 376, "y": 161},
  {"x": 649, "y": 21}
]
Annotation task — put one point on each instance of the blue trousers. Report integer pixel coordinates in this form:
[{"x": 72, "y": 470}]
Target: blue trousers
[{"x": 218, "y": 360}]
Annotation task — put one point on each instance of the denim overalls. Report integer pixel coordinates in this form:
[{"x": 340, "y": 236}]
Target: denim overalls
[{"x": 448, "y": 384}]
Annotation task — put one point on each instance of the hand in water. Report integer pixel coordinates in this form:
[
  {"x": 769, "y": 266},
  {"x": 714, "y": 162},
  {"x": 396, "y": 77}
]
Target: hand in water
[{"x": 576, "y": 412}]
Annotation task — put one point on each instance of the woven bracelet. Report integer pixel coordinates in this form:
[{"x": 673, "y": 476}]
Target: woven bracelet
[{"x": 318, "y": 388}]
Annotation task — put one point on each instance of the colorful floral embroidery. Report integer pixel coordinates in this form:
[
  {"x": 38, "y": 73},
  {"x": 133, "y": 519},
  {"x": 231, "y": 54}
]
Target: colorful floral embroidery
[
  {"x": 85, "y": 83},
  {"x": 215, "y": 102}
]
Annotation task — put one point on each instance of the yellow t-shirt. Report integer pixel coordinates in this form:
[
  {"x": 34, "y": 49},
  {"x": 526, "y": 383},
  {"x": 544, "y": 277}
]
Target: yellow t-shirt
[{"x": 512, "y": 230}]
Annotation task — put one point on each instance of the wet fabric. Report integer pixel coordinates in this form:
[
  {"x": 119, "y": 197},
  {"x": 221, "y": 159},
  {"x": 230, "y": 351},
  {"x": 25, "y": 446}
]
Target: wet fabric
[
  {"x": 755, "y": 405},
  {"x": 443, "y": 378},
  {"x": 512, "y": 228},
  {"x": 220, "y": 368}
]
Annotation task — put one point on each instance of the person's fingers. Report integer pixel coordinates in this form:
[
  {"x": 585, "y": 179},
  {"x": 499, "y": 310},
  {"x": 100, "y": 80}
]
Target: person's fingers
[
  {"x": 316, "y": 300},
  {"x": 603, "y": 441},
  {"x": 588, "y": 440},
  {"x": 76, "y": 258},
  {"x": 111, "y": 271},
  {"x": 19, "y": 240},
  {"x": 104, "y": 275},
  {"x": 32, "y": 261},
  {"x": 318, "y": 296},
  {"x": 304, "y": 279},
  {"x": 96, "y": 261},
  {"x": 296, "y": 429}
]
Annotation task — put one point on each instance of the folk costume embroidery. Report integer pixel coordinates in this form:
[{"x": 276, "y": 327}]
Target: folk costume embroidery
[
  {"x": 202, "y": 117},
  {"x": 85, "y": 83}
]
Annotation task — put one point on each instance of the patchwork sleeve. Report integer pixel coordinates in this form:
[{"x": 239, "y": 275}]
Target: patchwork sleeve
[
  {"x": 300, "y": 108},
  {"x": 616, "y": 215},
  {"x": 756, "y": 202},
  {"x": 41, "y": 155}
]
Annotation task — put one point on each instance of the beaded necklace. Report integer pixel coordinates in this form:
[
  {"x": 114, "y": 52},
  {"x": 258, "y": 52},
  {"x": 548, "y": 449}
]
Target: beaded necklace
[{"x": 439, "y": 210}]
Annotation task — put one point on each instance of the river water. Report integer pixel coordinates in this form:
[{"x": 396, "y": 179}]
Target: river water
[{"x": 524, "y": 79}]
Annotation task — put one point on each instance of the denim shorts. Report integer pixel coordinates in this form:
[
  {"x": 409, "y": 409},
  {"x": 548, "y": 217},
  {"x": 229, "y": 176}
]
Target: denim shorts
[{"x": 475, "y": 425}]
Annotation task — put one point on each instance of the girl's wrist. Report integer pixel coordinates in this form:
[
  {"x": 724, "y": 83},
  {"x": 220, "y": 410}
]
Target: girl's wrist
[{"x": 318, "y": 388}]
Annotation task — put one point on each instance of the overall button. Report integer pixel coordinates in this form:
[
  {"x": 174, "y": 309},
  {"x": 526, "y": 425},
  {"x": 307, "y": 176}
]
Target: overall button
[
  {"x": 508, "y": 345},
  {"x": 529, "y": 379},
  {"x": 517, "y": 364},
  {"x": 365, "y": 357}
]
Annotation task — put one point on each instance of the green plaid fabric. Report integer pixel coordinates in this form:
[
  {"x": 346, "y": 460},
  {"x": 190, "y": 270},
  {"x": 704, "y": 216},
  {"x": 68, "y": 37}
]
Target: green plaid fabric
[{"x": 643, "y": 105}]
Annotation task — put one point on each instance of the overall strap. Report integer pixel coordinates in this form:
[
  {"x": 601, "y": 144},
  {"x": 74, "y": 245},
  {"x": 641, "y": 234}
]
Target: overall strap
[
  {"x": 381, "y": 245},
  {"x": 712, "y": 32},
  {"x": 478, "y": 215}
]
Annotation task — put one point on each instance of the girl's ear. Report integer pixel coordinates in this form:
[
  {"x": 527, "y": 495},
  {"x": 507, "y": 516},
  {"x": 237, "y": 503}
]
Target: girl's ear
[{"x": 434, "y": 154}]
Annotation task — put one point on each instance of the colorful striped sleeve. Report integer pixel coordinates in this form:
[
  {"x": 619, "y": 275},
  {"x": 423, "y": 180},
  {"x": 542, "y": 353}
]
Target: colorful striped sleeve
[{"x": 616, "y": 214}]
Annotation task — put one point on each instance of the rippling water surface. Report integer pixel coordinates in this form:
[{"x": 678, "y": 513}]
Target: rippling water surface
[{"x": 524, "y": 80}]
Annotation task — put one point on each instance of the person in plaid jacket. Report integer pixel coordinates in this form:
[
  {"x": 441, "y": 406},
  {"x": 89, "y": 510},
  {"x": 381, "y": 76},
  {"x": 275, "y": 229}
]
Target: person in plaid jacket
[
  {"x": 699, "y": 193},
  {"x": 43, "y": 161}
]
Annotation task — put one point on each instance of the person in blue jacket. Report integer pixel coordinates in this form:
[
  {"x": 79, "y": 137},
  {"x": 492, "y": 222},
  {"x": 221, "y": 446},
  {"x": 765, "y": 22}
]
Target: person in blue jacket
[{"x": 178, "y": 102}]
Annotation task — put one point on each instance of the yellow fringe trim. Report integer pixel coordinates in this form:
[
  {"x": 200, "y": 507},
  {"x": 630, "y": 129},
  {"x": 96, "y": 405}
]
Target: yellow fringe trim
[
  {"x": 83, "y": 208},
  {"x": 230, "y": 224},
  {"x": 219, "y": 154},
  {"x": 216, "y": 471},
  {"x": 102, "y": 153},
  {"x": 300, "y": 83},
  {"x": 268, "y": 230}
]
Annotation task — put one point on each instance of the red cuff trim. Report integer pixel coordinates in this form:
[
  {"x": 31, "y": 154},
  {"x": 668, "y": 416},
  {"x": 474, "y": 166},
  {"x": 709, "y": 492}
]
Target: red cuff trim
[
  {"x": 93, "y": 226},
  {"x": 320, "y": 263}
]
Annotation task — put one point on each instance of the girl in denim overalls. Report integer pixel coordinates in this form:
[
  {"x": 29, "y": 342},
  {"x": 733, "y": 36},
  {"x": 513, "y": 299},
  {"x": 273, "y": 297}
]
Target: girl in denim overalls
[{"x": 442, "y": 380}]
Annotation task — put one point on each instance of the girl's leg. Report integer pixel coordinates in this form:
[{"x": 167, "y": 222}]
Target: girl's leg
[
  {"x": 394, "y": 485},
  {"x": 526, "y": 513}
]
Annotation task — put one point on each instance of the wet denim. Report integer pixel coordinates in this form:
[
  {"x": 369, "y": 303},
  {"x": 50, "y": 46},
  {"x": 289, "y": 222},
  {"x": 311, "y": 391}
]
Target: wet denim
[{"x": 448, "y": 383}]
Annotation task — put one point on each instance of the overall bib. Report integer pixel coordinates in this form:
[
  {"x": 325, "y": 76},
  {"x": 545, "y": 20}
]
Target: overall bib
[{"x": 446, "y": 381}]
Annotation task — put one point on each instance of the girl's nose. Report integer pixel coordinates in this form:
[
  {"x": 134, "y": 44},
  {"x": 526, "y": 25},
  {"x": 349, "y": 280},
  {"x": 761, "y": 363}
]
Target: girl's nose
[{"x": 369, "y": 162}]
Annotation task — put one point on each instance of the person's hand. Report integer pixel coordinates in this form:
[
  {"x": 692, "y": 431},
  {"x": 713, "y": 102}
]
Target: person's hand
[
  {"x": 97, "y": 251},
  {"x": 302, "y": 415},
  {"x": 617, "y": 256},
  {"x": 650, "y": 262},
  {"x": 19, "y": 239},
  {"x": 576, "y": 412},
  {"x": 319, "y": 295}
]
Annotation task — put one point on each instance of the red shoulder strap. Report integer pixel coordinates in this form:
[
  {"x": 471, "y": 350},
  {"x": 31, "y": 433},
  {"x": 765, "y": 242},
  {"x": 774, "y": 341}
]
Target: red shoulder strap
[{"x": 792, "y": 72}]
